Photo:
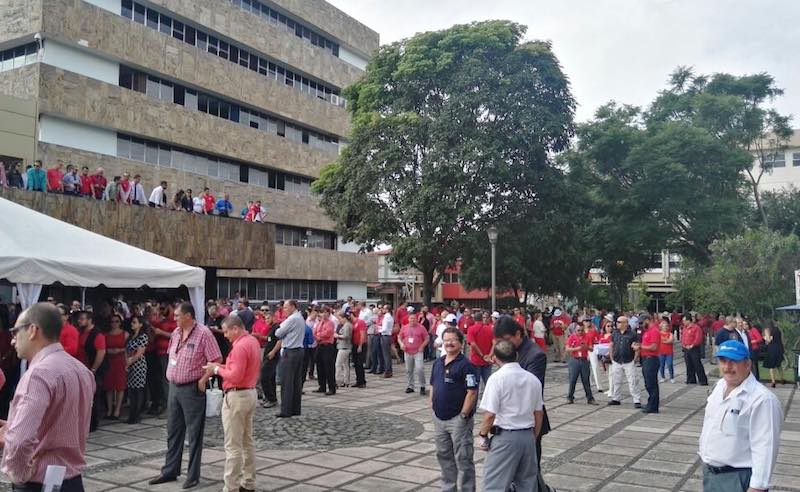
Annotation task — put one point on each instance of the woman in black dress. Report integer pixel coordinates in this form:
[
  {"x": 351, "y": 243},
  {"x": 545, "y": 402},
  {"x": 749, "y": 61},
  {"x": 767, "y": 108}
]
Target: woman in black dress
[
  {"x": 136, "y": 364},
  {"x": 774, "y": 359}
]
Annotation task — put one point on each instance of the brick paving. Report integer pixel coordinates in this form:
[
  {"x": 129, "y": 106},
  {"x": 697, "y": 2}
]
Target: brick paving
[{"x": 379, "y": 438}]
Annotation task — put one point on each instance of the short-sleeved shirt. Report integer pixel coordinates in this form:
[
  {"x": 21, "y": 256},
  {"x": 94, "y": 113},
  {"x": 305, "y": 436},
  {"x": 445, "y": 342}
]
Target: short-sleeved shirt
[
  {"x": 666, "y": 347},
  {"x": 99, "y": 344},
  {"x": 482, "y": 336},
  {"x": 413, "y": 337},
  {"x": 623, "y": 345},
  {"x": 649, "y": 337},
  {"x": 575, "y": 340},
  {"x": 260, "y": 327},
  {"x": 359, "y": 332},
  {"x": 465, "y": 323},
  {"x": 70, "y": 339},
  {"x": 187, "y": 357},
  {"x": 512, "y": 394},
  {"x": 450, "y": 383},
  {"x": 162, "y": 343},
  {"x": 272, "y": 338}
]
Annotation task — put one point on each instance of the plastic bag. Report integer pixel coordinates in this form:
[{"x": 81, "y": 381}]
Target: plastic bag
[{"x": 213, "y": 401}]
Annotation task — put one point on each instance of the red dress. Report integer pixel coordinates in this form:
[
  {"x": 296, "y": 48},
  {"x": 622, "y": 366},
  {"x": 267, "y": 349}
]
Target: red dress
[{"x": 116, "y": 379}]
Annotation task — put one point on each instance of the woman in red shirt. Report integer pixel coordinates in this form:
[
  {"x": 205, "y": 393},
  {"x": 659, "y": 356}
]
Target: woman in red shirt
[
  {"x": 665, "y": 352},
  {"x": 756, "y": 342}
]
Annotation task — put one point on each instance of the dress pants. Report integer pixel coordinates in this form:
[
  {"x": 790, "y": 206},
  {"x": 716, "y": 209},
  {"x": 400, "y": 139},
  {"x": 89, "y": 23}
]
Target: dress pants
[
  {"x": 154, "y": 380},
  {"x": 292, "y": 382},
  {"x": 386, "y": 349},
  {"x": 559, "y": 345},
  {"x": 186, "y": 414},
  {"x": 326, "y": 367},
  {"x": 268, "y": 371},
  {"x": 615, "y": 381},
  {"x": 695, "y": 372},
  {"x": 511, "y": 459},
  {"x": 97, "y": 403},
  {"x": 343, "y": 366},
  {"x": 579, "y": 368},
  {"x": 368, "y": 353},
  {"x": 735, "y": 481},
  {"x": 650, "y": 366},
  {"x": 74, "y": 484},
  {"x": 137, "y": 403},
  {"x": 309, "y": 361},
  {"x": 377, "y": 365},
  {"x": 415, "y": 368},
  {"x": 454, "y": 451},
  {"x": 358, "y": 364},
  {"x": 238, "y": 408}
]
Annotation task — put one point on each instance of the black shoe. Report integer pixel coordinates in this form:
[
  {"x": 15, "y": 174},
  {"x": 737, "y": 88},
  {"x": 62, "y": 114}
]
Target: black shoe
[
  {"x": 154, "y": 410},
  {"x": 703, "y": 384},
  {"x": 422, "y": 392},
  {"x": 362, "y": 385},
  {"x": 409, "y": 390},
  {"x": 319, "y": 390},
  {"x": 282, "y": 415},
  {"x": 162, "y": 479},
  {"x": 189, "y": 484},
  {"x": 600, "y": 391},
  {"x": 637, "y": 405},
  {"x": 378, "y": 373},
  {"x": 647, "y": 410},
  {"x": 242, "y": 489},
  {"x": 330, "y": 393},
  {"x": 570, "y": 401},
  {"x": 613, "y": 402}
]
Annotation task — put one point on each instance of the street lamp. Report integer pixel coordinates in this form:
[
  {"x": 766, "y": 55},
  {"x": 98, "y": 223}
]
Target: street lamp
[
  {"x": 39, "y": 56},
  {"x": 492, "y": 232}
]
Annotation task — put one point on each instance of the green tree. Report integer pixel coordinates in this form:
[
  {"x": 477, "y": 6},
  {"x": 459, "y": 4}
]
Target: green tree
[
  {"x": 734, "y": 110},
  {"x": 783, "y": 209},
  {"x": 450, "y": 129}
]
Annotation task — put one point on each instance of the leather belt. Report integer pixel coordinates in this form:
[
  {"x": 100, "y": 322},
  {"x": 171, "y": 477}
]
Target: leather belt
[
  {"x": 237, "y": 389},
  {"x": 716, "y": 470}
]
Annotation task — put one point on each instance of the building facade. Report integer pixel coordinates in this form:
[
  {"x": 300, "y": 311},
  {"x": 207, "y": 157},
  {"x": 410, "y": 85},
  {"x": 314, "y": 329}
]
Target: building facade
[
  {"x": 784, "y": 164},
  {"x": 241, "y": 96}
]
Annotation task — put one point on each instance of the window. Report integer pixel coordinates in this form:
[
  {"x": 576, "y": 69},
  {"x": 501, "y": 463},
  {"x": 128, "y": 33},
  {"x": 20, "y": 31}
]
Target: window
[
  {"x": 123, "y": 147},
  {"x": 127, "y": 9},
  {"x": 138, "y": 13},
  {"x": 776, "y": 159},
  {"x": 137, "y": 149},
  {"x": 258, "y": 177},
  {"x": 151, "y": 153},
  {"x": 795, "y": 159},
  {"x": 177, "y": 30},
  {"x": 164, "y": 156},
  {"x": 166, "y": 25},
  {"x": 152, "y": 19}
]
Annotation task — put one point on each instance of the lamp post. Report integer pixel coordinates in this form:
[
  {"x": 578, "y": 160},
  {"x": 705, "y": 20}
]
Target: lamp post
[
  {"x": 492, "y": 232},
  {"x": 39, "y": 56}
]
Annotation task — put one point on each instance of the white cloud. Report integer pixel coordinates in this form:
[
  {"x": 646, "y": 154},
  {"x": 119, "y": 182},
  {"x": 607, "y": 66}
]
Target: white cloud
[{"x": 624, "y": 49}]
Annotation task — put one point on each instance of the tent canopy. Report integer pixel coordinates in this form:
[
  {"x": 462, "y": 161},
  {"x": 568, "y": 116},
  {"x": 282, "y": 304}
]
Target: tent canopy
[
  {"x": 37, "y": 250},
  {"x": 793, "y": 307}
]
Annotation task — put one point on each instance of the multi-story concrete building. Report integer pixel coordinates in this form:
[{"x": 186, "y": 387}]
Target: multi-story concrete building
[
  {"x": 240, "y": 96},
  {"x": 784, "y": 163}
]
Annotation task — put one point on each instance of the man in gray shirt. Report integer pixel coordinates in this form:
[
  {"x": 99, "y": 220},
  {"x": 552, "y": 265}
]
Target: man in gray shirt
[{"x": 291, "y": 332}]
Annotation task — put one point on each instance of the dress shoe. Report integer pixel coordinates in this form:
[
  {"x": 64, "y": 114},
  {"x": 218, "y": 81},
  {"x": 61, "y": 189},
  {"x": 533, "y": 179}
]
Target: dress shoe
[
  {"x": 637, "y": 405},
  {"x": 613, "y": 402},
  {"x": 387, "y": 375},
  {"x": 330, "y": 393},
  {"x": 282, "y": 415},
  {"x": 409, "y": 390},
  {"x": 647, "y": 410},
  {"x": 570, "y": 401},
  {"x": 269, "y": 404},
  {"x": 189, "y": 484},
  {"x": 242, "y": 489},
  {"x": 320, "y": 390},
  {"x": 591, "y": 402},
  {"x": 422, "y": 392},
  {"x": 162, "y": 479},
  {"x": 362, "y": 385}
]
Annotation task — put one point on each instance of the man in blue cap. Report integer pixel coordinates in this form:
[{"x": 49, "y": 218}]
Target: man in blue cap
[{"x": 741, "y": 428}]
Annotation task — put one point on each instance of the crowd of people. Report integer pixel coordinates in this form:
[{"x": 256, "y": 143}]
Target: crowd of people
[
  {"x": 124, "y": 189},
  {"x": 155, "y": 358}
]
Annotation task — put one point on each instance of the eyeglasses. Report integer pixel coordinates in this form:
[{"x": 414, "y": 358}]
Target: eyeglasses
[
  {"x": 264, "y": 310},
  {"x": 17, "y": 328}
]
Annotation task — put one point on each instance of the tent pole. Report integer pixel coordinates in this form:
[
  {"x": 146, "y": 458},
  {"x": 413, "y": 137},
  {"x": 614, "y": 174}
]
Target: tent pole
[{"x": 83, "y": 297}]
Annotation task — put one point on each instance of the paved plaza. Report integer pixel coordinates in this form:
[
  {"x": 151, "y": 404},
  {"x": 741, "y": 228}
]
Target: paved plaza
[{"x": 379, "y": 439}]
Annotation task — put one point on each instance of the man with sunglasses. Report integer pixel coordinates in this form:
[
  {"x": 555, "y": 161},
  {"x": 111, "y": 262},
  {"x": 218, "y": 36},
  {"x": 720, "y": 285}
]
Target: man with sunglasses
[
  {"x": 37, "y": 178},
  {"x": 49, "y": 418}
]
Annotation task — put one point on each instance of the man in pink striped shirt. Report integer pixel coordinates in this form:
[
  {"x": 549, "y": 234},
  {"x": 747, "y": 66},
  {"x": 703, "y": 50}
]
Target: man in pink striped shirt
[{"x": 49, "y": 418}]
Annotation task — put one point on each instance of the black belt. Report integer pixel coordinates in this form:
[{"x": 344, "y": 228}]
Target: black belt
[
  {"x": 237, "y": 389},
  {"x": 68, "y": 484},
  {"x": 716, "y": 470},
  {"x": 649, "y": 357},
  {"x": 499, "y": 430},
  {"x": 181, "y": 385},
  {"x": 293, "y": 348}
]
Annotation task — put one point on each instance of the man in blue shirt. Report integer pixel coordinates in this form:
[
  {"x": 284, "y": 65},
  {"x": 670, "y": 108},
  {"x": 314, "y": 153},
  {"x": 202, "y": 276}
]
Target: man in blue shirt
[
  {"x": 454, "y": 392},
  {"x": 37, "y": 179},
  {"x": 224, "y": 206}
]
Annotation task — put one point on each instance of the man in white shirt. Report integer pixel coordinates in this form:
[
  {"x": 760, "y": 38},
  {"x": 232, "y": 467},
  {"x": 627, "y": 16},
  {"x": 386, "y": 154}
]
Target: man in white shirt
[
  {"x": 137, "y": 190},
  {"x": 741, "y": 428},
  {"x": 387, "y": 325},
  {"x": 438, "y": 343},
  {"x": 513, "y": 406},
  {"x": 158, "y": 198}
]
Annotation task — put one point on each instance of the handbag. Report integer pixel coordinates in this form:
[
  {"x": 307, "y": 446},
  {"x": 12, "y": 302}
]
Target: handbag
[{"x": 213, "y": 401}]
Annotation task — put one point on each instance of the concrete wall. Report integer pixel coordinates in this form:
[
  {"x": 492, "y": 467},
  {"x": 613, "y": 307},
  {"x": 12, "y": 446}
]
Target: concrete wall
[
  {"x": 114, "y": 6},
  {"x": 76, "y": 59},
  {"x": 19, "y": 19},
  {"x": 353, "y": 58},
  {"x": 188, "y": 238},
  {"x": 17, "y": 127},
  {"x": 141, "y": 47}
]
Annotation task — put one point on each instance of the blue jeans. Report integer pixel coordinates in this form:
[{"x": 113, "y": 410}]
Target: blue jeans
[
  {"x": 665, "y": 361},
  {"x": 483, "y": 373}
]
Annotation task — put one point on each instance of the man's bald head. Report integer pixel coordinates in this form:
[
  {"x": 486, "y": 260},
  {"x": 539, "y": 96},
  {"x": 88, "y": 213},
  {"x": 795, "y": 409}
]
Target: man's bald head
[
  {"x": 505, "y": 352},
  {"x": 46, "y": 316}
]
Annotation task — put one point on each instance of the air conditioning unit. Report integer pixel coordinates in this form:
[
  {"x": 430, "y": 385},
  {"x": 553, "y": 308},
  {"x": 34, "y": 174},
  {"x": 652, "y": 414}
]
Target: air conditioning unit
[{"x": 334, "y": 99}]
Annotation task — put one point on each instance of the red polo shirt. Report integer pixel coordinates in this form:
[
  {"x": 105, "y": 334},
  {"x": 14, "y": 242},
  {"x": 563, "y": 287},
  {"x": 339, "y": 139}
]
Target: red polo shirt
[
  {"x": 260, "y": 327},
  {"x": 691, "y": 335},
  {"x": 54, "y": 177},
  {"x": 209, "y": 203},
  {"x": 465, "y": 323},
  {"x": 576, "y": 340},
  {"x": 243, "y": 365},
  {"x": 323, "y": 332},
  {"x": 649, "y": 337},
  {"x": 100, "y": 183},
  {"x": 69, "y": 339},
  {"x": 86, "y": 185},
  {"x": 482, "y": 336},
  {"x": 99, "y": 344},
  {"x": 162, "y": 343},
  {"x": 359, "y": 332},
  {"x": 717, "y": 325},
  {"x": 666, "y": 347},
  {"x": 413, "y": 336}
]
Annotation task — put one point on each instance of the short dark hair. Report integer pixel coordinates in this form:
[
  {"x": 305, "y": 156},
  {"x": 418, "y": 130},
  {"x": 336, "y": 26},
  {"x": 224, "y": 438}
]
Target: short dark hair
[
  {"x": 687, "y": 317},
  {"x": 186, "y": 307},
  {"x": 507, "y": 326},
  {"x": 290, "y": 302},
  {"x": 163, "y": 183},
  {"x": 47, "y": 317},
  {"x": 137, "y": 176},
  {"x": 233, "y": 320},
  {"x": 505, "y": 351},
  {"x": 454, "y": 330}
]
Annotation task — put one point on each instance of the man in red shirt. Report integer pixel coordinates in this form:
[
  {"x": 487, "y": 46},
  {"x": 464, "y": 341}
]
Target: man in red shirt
[
  {"x": 413, "y": 338},
  {"x": 523, "y": 322},
  {"x": 578, "y": 346},
  {"x": 69, "y": 334},
  {"x": 558, "y": 329},
  {"x": 691, "y": 340},
  {"x": 162, "y": 332},
  {"x": 648, "y": 355},
  {"x": 326, "y": 353},
  {"x": 466, "y": 321},
  {"x": 480, "y": 338},
  {"x": 209, "y": 201},
  {"x": 99, "y": 183},
  {"x": 54, "y": 177},
  {"x": 86, "y": 182},
  {"x": 240, "y": 374},
  {"x": 359, "y": 346}
]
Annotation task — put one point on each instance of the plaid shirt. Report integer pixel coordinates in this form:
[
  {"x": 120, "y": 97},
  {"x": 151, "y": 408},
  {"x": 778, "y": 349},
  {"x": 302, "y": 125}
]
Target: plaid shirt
[{"x": 187, "y": 358}]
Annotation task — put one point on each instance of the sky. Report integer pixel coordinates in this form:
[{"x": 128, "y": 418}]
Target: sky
[{"x": 624, "y": 50}]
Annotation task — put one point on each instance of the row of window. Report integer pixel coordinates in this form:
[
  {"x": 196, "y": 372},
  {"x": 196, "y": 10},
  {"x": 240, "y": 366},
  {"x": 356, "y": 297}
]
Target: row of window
[
  {"x": 450, "y": 278},
  {"x": 157, "y": 154},
  {"x": 262, "y": 289},
  {"x": 235, "y": 54},
  {"x": 778, "y": 159},
  {"x": 305, "y": 238},
  {"x": 17, "y": 57},
  {"x": 271, "y": 15},
  {"x": 199, "y": 101}
]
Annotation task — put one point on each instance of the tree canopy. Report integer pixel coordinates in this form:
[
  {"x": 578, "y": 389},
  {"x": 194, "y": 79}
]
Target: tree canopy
[{"x": 451, "y": 129}]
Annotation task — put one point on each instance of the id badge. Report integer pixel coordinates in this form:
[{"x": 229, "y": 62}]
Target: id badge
[
  {"x": 411, "y": 340},
  {"x": 173, "y": 362}
]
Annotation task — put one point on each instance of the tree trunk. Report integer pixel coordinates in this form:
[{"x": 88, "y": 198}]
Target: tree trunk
[
  {"x": 757, "y": 196},
  {"x": 427, "y": 286}
]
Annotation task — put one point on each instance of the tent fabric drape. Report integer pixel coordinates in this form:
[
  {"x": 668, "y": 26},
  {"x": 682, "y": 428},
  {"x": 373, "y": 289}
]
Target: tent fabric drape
[{"x": 28, "y": 294}]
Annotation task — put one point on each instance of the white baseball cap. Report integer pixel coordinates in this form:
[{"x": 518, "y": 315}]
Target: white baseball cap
[
  {"x": 410, "y": 309},
  {"x": 557, "y": 312},
  {"x": 450, "y": 318},
  {"x": 495, "y": 315}
]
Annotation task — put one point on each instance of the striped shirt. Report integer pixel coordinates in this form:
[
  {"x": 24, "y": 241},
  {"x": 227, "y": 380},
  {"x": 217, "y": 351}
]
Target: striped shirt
[
  {"x": 49, "y": 418},
  {"x": 187, "y": 357}
]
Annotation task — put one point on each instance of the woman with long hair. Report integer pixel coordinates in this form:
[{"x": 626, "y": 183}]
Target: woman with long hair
[
  {"x": 774, "y": 359},
  {"x": 115, "y": 381},
  {"x": 136, "y": 365}
]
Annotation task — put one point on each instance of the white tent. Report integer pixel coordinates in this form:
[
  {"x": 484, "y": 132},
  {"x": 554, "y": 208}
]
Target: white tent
[{"x": 37, "y": 250}]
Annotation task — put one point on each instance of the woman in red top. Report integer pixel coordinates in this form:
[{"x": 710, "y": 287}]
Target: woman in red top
[
  {"x": 605, "y": 339},
  {"x": 116, "y": 379},
  {"x": 756, "y": 342},
  {"x": 665, "y": 352}
]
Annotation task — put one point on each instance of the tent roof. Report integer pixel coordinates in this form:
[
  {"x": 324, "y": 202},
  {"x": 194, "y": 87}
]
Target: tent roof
[
  {"x": 793, "y": 307},
  {"x": 38, "y": 249}
]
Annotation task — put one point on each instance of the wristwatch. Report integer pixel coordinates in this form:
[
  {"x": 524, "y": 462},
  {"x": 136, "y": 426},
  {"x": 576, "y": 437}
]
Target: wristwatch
[
  {"x": 465, "y": 416},
  {"x": 483, "y": 435}
]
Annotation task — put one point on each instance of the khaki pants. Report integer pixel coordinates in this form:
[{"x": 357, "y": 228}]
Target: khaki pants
[
  {"x": 238, "y": 409},
  {"x": 559, "y": 345}
]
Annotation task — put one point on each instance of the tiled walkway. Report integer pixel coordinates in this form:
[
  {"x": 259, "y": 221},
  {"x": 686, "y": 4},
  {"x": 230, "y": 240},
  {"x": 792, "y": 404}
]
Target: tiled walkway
[{"x": 379, "y": 438}]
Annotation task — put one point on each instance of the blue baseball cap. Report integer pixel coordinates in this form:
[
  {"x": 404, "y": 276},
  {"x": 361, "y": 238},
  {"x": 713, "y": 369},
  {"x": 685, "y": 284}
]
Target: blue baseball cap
[{"x": 733, "y": 350}]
